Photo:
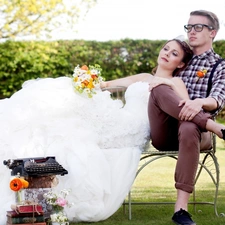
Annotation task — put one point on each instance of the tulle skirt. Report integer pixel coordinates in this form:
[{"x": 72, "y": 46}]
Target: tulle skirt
[{"x": 98, "y": 140}]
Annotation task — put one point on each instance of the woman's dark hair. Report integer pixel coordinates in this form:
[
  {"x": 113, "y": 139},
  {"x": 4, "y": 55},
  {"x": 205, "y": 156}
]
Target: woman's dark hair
[{"x": 188, "y": 54}]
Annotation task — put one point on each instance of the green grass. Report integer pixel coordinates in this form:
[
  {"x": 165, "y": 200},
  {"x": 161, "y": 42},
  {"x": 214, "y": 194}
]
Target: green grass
[{"x": 155, "y": 183}]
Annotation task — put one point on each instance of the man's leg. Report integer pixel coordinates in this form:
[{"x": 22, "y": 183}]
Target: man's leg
[
  {"x": 163, "y": 129},
  {"x": 163, "y": 112},
  {"x": 187, "y": 163},
  {"x": 188, "y": 157},
  {"x": 163, "y": 104}
]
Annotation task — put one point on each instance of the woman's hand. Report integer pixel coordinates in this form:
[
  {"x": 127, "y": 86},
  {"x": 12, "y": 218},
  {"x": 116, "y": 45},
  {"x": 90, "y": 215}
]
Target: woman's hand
[{"x": 103, "y": 85}]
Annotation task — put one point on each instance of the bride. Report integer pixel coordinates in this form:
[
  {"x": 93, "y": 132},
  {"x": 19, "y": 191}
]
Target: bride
[{"x": 98, "y": 140}]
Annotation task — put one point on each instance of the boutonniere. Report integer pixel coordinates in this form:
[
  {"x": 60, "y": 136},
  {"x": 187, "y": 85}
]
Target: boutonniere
[{"x": 200, "y": 74}]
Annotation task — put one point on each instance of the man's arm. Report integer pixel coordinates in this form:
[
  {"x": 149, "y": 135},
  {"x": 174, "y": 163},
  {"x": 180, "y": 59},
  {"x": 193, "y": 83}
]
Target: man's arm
[
  {"x": 213, "y": 103},
  {"x": 192, "y": 107}
]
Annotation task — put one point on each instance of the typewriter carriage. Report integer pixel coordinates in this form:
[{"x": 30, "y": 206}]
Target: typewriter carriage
[{"x": 35, "y": 167}]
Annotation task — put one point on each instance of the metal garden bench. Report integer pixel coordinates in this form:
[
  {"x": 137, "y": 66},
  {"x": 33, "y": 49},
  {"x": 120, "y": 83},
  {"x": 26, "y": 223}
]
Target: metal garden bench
[{"x": 208, "y": 162}]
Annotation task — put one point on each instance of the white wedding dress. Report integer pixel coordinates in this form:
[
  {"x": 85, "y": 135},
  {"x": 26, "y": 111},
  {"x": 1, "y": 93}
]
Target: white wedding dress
[{"x": 98, "y": 140}]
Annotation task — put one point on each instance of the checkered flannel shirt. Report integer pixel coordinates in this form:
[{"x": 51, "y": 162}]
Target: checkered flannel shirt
[{"x": 197, "y": 87}]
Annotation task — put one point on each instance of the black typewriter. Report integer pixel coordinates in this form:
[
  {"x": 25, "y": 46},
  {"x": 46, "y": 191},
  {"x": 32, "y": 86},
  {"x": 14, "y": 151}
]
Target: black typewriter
[{"x": 35, "y": 166}]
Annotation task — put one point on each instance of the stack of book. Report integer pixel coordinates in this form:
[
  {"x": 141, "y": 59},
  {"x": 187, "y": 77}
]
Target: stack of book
[{"x": 26, "y": 214}]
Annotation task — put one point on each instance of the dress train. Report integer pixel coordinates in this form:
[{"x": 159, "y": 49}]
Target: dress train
[{"x": 98, "y": 140}]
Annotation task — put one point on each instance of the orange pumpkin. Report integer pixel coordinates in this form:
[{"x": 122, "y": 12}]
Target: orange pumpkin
[{"x": 18, "y": 183}]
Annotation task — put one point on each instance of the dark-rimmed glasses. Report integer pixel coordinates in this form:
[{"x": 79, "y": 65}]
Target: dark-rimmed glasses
[{"x": 198, "y": 27}]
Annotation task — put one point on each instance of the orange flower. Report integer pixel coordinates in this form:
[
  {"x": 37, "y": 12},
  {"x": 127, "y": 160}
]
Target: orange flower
[
  {"x": 85, "y": 83},
  {"x": 201, "y": 73},
  {"x": 84, "y": 67},
  {"x": 18, "y": 183},
  {"x": 94, "y": 76}
]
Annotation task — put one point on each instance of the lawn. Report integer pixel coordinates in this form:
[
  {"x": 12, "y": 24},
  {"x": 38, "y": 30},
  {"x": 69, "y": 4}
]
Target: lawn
[{"x": 155, "y": 183}]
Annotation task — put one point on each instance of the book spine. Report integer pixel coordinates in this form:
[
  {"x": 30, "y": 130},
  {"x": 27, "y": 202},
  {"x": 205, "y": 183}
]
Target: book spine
[
  {"x": 30, "y": 219},
  {"x": 27, "y": 208},
  {"x": 41, "y": 223},
  {"x": 31, "y": 208},
  {"x": 15, "y": 214}
]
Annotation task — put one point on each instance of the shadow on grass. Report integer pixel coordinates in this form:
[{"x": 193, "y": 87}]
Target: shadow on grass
[
  {"x": 161, "y": 214},
  {"x": 160, "y": 187}
]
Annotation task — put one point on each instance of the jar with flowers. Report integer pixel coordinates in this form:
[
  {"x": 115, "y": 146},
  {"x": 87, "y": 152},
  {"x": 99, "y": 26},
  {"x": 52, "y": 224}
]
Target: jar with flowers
[{"x": 58, "y": 202}]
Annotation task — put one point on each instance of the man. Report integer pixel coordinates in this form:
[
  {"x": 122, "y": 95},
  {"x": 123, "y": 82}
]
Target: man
[{"x": 171, "y": 118}]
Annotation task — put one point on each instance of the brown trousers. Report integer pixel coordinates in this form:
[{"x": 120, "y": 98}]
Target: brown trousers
[{"x": 168, "y": 133}]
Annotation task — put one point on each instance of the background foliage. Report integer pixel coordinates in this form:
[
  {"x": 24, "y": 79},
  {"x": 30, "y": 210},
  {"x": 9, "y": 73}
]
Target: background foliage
[
  {"x": 39, "y": 17},
  {"x": 21, "y": 61}
]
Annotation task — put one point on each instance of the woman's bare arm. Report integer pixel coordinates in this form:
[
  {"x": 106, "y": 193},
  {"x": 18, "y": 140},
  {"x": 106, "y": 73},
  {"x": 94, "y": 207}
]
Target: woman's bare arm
[
  {"x": 175, "y": 83},
  {"x": 180, "y": 88},
  {"x": 126, "y": 81}
]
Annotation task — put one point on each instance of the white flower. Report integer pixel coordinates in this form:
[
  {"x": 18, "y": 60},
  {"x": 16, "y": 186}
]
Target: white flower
[{"x": 59, "y": 217}]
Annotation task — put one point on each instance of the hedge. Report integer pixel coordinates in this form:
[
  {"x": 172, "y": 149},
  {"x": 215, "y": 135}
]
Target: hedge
[{"x": 20, "y": 61}]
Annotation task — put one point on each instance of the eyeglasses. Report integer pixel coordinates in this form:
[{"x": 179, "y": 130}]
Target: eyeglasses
[{"x": 197, "y": 27}]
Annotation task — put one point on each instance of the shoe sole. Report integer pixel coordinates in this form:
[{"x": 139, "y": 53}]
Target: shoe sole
[{"x": 183, "y": 224}]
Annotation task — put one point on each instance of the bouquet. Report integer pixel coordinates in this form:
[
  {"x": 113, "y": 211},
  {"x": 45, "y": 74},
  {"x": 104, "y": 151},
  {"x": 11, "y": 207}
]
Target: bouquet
[
  {"x": 86, "y": 80},
  {"x": 57, "y": 201}
]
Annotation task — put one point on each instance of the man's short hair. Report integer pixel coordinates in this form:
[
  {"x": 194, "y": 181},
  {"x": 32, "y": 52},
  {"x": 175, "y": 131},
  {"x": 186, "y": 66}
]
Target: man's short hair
[{"x": 212, "y": 18}]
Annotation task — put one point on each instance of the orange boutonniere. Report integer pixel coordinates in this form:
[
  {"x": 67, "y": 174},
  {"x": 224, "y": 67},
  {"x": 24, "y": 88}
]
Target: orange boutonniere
[{"x": 200, "y": 74}]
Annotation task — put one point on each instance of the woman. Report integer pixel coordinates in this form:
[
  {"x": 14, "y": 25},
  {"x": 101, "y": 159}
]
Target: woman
[
  {"x": 98, "y": 140},
  {"x": 173, "y": 57}
]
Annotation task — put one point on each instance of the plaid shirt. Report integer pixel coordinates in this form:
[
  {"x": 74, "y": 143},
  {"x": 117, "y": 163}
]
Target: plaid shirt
[{"x": 197, "y": 87}]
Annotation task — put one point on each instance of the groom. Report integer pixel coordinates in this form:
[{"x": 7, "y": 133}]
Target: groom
[{"x": 201, "y": 29}]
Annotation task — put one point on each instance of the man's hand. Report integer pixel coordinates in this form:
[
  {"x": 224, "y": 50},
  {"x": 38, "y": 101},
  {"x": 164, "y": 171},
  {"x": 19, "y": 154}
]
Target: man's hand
[{"x": 190, "y": 109}]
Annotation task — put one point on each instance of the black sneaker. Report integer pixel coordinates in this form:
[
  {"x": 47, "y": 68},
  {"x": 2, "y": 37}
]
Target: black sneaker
[{"x": 182, "y": 217}]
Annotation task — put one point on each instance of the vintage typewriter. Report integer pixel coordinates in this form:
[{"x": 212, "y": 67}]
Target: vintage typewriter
[{"x": 38, "y": 166}]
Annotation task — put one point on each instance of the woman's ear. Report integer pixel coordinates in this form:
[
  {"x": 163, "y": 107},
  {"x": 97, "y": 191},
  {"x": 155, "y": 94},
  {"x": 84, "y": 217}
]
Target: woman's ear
[{"x": 181, "y": 65}]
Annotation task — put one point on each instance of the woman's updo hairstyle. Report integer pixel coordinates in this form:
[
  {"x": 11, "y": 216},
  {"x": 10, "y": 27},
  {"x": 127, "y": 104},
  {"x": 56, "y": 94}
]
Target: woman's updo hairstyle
[{"x": 188, "y": 54}]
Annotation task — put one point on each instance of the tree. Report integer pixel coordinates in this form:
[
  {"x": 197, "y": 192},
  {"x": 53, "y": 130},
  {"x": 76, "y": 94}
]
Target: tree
[{"x": 39, "y": 17}]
